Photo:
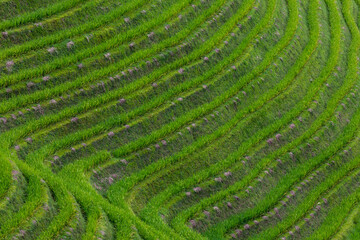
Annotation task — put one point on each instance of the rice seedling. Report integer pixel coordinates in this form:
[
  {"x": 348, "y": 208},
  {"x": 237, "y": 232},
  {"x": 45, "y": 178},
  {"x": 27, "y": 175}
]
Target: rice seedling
[{"x": 195, "y": 119}]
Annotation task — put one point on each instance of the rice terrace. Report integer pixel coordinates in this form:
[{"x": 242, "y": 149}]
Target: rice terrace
[{"x": 179, "y": 119}]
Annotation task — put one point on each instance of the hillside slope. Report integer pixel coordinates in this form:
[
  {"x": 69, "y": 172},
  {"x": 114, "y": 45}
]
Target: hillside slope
[{"x": 191, "y": 119}]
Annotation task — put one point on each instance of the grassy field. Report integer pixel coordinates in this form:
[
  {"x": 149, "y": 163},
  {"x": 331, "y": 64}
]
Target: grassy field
[{"x": 180, "y": 119}]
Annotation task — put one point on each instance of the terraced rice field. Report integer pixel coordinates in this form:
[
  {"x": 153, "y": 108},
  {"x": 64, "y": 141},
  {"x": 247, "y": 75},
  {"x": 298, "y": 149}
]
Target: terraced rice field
[{"x": 191, "y": 119}]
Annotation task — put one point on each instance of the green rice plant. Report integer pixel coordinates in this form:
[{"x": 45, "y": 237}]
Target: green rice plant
[
  {"x": 115, "y": 120},
  {"x": 36, "y": 196},
  {"x": 38, "y": 14},
  {"x": 136, "y": 85},
  {"x": 138, "y": 129},
  {"x": 60, "y": 35},
  {"x": 100, "y": 48},
  {"x": 345, "y": 88}
]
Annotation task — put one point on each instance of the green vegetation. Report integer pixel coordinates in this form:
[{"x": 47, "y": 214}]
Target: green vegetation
[{"x": 193, "y": 119}]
